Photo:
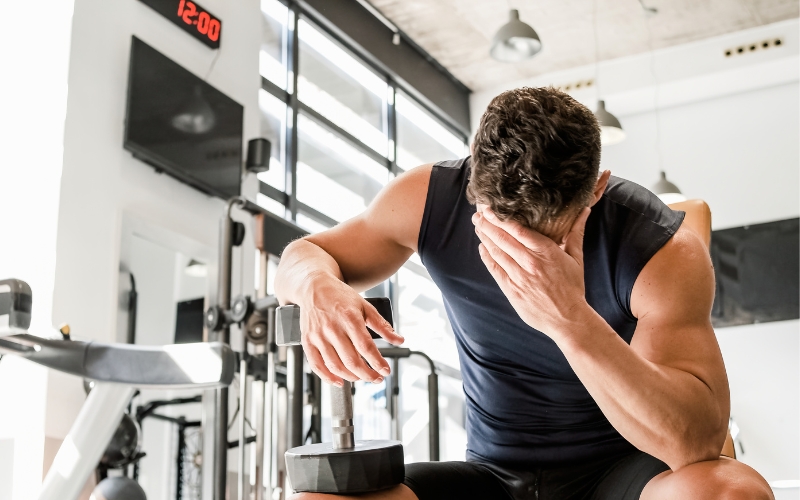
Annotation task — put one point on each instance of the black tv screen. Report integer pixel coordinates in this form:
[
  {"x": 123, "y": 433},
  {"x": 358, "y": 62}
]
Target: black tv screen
[
  {"x": 758, "y": 273},
  {"x": 181, "y": 125}
]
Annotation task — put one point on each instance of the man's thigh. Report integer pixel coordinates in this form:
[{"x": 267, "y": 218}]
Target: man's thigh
[
  {"x": 723, "y": 479},
  {"x": 453, "y": 481},
  {"x": 625, "y": 479}
]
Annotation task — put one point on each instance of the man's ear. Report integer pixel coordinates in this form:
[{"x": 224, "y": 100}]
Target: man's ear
[{"x": 600, "y": 187}]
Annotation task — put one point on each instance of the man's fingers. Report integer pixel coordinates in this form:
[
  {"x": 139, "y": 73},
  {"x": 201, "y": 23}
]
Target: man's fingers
[
  {"x": 494, "y": 268},
  {"x": 527, "y": 237},
  {"x": 333, "y": 362},
  {"x": 366, "y": 347},
  {"x": 352, "y": 360},
  {"x": 510, "y": 266},
  {"x": 573, "y": 244},
  {"x": 507, "y": 242},
  {"x": 317, "y": 364},
  {"x": 382, "y": 327}
]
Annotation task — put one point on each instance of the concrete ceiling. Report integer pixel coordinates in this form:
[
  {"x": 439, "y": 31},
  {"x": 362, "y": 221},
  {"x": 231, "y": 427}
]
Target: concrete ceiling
[{"x": 458, "y": 33}]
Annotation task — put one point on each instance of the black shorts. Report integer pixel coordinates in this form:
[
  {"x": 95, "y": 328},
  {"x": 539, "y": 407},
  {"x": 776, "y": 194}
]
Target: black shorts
[{"x": 617, "y": 478}]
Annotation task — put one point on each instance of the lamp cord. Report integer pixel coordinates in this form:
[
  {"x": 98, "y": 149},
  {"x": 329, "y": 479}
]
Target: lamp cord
[
  {"x": 211, "y": 67},
  {"x": 656, "y": 93},
  {"x": 596, "y": 49}
]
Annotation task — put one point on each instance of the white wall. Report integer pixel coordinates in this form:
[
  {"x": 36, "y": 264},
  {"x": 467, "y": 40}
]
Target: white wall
[
  {"x": 33, "y": 96},
  {"x": 102, "y": 184},
  {"x": 729, "y": 134}
]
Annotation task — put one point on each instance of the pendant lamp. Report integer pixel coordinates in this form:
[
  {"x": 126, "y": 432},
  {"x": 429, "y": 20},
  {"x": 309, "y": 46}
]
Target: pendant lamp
[
  {"x": 667, "y": 191},
  {"x": 515, "y": 41},
  {"x": 610, "y": 129}
]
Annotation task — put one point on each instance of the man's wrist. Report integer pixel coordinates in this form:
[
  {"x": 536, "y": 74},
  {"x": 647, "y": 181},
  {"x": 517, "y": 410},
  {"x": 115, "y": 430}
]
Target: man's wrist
[
  {"x": 310, "y": 285},
  {"x": 578, "y": 326}
]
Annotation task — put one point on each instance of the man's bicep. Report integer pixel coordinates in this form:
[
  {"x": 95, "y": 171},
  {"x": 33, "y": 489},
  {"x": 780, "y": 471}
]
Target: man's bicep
[
  {"x": 672, "y": 300},
  {"x": 370, "y": 247}
]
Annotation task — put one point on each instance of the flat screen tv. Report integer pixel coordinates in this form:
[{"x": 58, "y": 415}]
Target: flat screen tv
[
  {"x": 758, "y": 273},
  {"x": 181, "y": 125}
]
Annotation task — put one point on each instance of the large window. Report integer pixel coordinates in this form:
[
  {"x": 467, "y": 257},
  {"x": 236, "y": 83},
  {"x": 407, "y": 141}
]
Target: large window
[{"x": 341, "y": 129}]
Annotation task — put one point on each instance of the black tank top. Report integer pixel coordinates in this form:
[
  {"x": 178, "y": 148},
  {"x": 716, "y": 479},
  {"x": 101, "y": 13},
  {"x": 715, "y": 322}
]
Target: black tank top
[{"x": 525, "y": 405}]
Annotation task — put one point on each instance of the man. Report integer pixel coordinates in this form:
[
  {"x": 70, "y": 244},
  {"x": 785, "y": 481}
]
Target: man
[{"x": 580, "y": 307}]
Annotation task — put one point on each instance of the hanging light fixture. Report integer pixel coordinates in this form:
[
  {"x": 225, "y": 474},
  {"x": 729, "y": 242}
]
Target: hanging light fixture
[
  {"x": 667, "y": 191},
  {"x": 610, "y": 129},
  {"x": 515, "y": 41},
  {"x": 196, "y": 269}
]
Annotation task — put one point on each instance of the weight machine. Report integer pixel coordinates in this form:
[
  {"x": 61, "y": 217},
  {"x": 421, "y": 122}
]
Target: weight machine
[{"x": 279, "y": 381}]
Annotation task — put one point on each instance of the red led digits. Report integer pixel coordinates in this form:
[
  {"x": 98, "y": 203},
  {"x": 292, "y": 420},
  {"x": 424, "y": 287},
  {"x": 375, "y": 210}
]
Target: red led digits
[
  {"x": 189, "y": 12},
  {"x": 192, "y": 18},
  {"x": 202, "y": 22},
  {"x": 213, "y": 30}
]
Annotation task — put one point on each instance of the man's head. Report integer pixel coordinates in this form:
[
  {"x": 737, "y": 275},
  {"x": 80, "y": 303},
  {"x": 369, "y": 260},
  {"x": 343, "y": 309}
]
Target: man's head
[{"x": 535, "y": 159}]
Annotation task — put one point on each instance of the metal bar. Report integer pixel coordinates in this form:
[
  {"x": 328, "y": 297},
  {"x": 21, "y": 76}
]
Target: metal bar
[
  {"x": 391, "y": 125},
  {"x": 316, "y": 215},
  {"x": 274, "y": 90},
  {"x": 433, "y": 416},
  {"x": 353, "y": 140},
  {"x": 242, "y": 452},
  {"x": 259, "y": 391},
  {"x": 396, "y": 430},
  {"x": 88, "y": 437},
  {"x": 257, "y": 457},
  {"x": 179, "y": 463},
  {"x": 221, "y": 396},
  {"x": 343, "y": 432},
  {"x": 294, "y": 386},
  {"x": 271, "y": 387},
  {"x": 292, "y": 106},
  {"x": 273, "y": 193},
  {"x": 281, "y": 401},
  {"x": 316, "y": 409},
  {"x": 433, "y": 408}
]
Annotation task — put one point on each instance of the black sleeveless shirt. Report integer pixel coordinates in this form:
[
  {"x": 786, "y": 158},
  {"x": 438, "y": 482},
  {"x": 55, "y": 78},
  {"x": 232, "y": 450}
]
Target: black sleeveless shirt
[{"x": 525, "y": 405}]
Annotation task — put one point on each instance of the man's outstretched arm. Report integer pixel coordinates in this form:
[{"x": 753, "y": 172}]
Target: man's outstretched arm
[
  {"x": 667, "y": 392},
  {"x": 322, "y": 273}
]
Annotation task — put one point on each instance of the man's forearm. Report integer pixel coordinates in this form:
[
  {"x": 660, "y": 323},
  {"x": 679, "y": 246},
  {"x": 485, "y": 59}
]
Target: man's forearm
[
  {"x": 664, "y": 411},
  {"x": 301, "y": 262}
]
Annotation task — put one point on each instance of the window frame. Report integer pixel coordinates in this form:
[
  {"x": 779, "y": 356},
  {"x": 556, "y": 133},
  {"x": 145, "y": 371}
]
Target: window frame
[{"x": 288, "y": 197}]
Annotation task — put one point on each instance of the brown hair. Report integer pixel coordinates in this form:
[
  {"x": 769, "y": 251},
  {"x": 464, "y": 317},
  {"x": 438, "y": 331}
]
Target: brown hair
[{"x": 536, "y": 156}]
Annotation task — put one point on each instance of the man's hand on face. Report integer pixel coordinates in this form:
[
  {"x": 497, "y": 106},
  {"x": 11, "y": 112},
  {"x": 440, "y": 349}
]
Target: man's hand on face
[{"x": 543, "y": 282}]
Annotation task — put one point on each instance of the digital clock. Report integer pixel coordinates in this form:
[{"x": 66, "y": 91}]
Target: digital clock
[{"x": 192, "y": 18}]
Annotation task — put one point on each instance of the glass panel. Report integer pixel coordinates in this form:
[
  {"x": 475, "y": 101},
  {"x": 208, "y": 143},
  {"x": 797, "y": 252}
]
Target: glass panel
[
  {"x": 420, "y": 136},
  {"x": 272, "y": 58},
  {"x": 423, "y": 322},
  {"x": 273, "y": 128},
  {"x": 340, "y": 88},
  {"x": 309, "y": 224},
  {"x": 273, "y": 206},
  {"x": 332, "y": 176}
]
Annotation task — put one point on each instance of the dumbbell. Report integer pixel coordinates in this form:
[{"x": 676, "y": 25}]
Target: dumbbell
[{"x": 345, "y": 465}]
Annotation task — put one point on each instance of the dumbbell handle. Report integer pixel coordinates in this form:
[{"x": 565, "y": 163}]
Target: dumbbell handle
[
  {"x": 342, "y": 416},
  {"x": 288, "y": 333}
]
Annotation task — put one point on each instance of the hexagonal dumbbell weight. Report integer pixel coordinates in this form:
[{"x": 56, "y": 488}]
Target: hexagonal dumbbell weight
[{"x": 345, "y": 465}]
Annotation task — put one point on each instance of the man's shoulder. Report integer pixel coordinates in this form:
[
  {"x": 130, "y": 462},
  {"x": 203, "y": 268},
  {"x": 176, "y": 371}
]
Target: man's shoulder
[
  {"x": 622, "y": 194},
  {"x": 461, "y": 164}
]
